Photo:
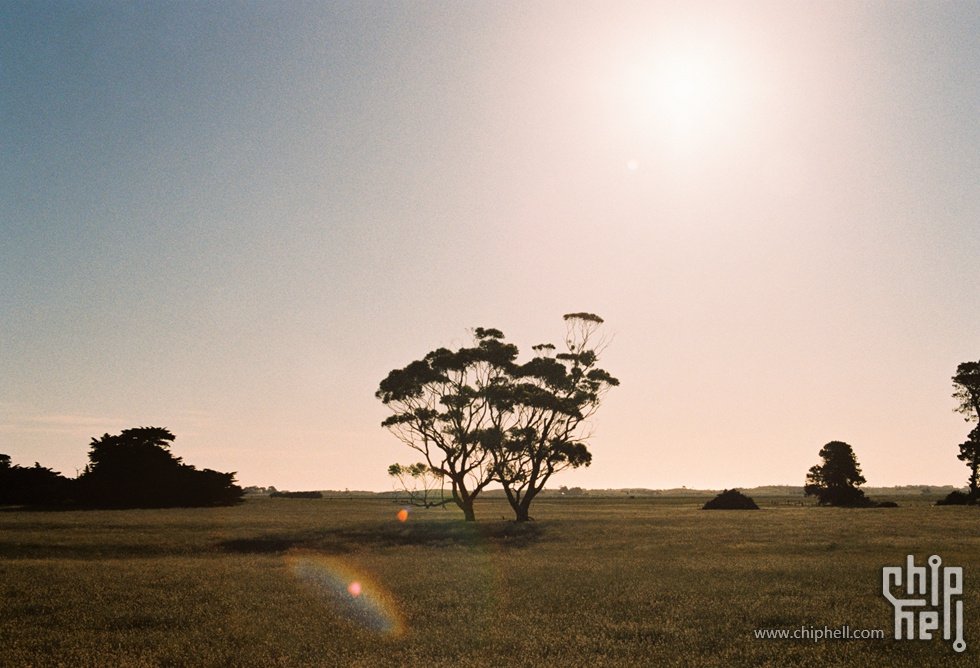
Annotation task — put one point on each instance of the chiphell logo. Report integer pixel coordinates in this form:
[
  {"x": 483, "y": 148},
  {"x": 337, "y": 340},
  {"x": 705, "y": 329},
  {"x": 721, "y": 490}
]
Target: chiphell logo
[{"x": 941, "y": 600}]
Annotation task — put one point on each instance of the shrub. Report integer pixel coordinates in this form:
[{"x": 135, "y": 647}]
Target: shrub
[
  {"x": 957, "y": 498},
  {"x": 731, "y": 499}
]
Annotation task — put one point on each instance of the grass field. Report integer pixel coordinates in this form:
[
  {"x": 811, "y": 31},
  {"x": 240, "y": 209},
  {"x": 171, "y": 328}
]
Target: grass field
[{"x": 648, "y": 582}]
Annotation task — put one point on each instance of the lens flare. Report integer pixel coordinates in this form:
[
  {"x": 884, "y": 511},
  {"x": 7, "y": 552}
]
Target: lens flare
[
  {"x": 403, "y": 514},
  {"x": 348, "y": 594}
]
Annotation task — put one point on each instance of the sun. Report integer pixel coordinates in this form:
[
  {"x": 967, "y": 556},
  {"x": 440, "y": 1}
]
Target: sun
[
  {"x": 690, "y": 90},
  {"x": 688, "y": 93}
]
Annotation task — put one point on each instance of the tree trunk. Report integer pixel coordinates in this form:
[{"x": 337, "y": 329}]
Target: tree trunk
[
  {"x": 466, "y": 505},
  {"x": 522, "y": 510},
  {"x": 464, "y": 500},
  {"x": 975, "y": 478}
]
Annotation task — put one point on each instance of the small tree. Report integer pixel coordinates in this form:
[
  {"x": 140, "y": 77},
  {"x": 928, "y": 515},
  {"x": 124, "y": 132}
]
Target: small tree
[
  {"x": 967, "y": 392},
  {"x": 835, "y": 483},
  {"x": 423, "y": 486}
]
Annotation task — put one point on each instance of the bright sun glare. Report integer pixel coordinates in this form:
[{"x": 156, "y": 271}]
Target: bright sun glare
[{"x": 689, "y": 92}]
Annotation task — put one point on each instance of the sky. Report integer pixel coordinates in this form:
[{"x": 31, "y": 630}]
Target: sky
[{"x": 233, "y": 219}]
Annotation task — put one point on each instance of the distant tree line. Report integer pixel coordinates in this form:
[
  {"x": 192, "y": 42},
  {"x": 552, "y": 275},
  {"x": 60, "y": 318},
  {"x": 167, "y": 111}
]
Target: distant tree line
[
  {"x": 132, "y": 469},
  {"x": 296, "y": 495},
  {"x": 258, "y": 490}
]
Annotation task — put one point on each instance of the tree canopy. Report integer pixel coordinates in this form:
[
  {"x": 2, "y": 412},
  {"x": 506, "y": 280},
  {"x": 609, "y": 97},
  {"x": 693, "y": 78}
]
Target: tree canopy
[
  {"x": 967, "y": 390},
  {"x": 478, "y": 416},
  {"x": 836, "y": 481}
]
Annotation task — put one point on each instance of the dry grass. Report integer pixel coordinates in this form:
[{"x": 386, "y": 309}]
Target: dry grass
[{"x": 590, "y": 583}]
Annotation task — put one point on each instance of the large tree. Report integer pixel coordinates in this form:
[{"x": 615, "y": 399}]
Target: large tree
[
  {"x": 477, "y": 416},
  {"x": 445, "y": 407},
  {"x": 836, "y": 481},
  {"x": 967, "y": 392},
  {"x": 135, "y": 469},
  {"x": 546, "y": 408}
]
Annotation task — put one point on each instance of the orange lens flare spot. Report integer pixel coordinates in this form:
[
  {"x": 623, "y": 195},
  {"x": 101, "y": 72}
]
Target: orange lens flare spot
[
  {"x": 403, "y": 514},
  {"x": 354, "y": 588}
]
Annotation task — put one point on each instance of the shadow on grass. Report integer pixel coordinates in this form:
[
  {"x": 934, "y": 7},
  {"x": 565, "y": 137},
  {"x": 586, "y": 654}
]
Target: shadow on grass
[
  {"x": 38, "y": 509},
  {"x": 429, "y": 534},
  {"x": 67, "y": 541}
]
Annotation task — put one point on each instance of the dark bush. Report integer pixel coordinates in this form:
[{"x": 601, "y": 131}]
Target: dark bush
[
  {"x": 36, "y": 486},
  {"x": 731, "y": 499},
  {"x": 888, "y": 504},
  {"x": 957, "y": 498}
]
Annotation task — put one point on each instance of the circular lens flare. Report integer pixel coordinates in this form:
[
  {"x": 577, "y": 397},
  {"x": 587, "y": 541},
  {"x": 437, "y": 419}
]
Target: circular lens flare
[{"x": 348, "y": 594}]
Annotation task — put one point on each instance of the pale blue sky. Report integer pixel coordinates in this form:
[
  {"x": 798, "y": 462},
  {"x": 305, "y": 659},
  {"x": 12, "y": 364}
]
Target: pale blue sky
[{"x": 233, "y": 219}]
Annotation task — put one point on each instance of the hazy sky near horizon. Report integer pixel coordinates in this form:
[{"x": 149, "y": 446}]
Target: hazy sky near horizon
[{"x": 233, "y": 219}]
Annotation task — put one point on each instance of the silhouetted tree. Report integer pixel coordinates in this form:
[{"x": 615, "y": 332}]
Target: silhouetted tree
[
  {"x": 835, "y": 483},
  {"x": 970, "y": 453},
  {"x": 545, "y": 408},
  {"x": 967, "y": 392},
  {"x": 36, "y": 486},
  {"x": 135, "y": 469},
  {"x": 476, "y": 415},
  {"x": 444, "y": 406}
]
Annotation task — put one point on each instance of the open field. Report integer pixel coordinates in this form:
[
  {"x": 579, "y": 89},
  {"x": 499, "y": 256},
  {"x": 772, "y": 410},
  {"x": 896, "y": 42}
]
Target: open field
[{"x": 592, "y": 582}]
